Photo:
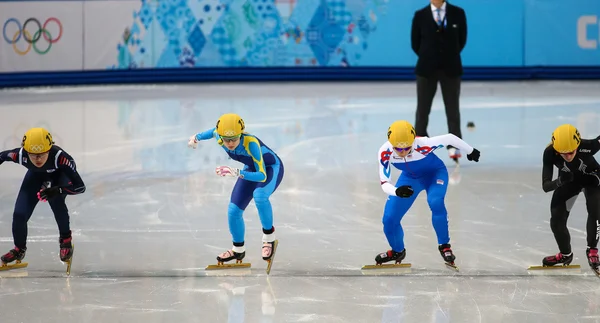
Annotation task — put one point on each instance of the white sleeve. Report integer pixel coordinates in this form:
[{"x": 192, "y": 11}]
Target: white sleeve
[
  {"x": 448, "y": 140},
  {"x": 385, "y": 169}
]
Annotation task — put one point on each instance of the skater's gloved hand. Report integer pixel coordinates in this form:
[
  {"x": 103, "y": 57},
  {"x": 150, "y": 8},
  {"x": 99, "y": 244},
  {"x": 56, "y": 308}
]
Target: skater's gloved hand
[
  {"x": 590, "y": 180},
  {"x": 474, "y": 155},
  {"x": 227, "y": 171},
  {"x": 404, "y": 191},
  {"x": 565, "y": 178},
  {"x": 193, "y": 143},
  {"x": 49, "y": 193}
]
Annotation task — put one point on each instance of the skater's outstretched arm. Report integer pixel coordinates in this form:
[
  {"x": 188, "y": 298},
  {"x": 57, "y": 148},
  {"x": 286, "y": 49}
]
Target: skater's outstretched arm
[
  {"x": 596, "y": 146},
  {"x": 548, "y": 184},
  {"x": 447, "y": 140},
  {"x": 385, "y": 169},
  {"x": 66, "y": 164},
  {"x": 253, "y": 149},
  {"x": 205, "y": 135},
  {"x": 10, "y": 155}
]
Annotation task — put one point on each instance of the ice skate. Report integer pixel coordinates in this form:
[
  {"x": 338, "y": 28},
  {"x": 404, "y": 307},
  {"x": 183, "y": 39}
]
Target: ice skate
[
  {"x": 388, "y": 256},
  {"x": 16, "y": 255},
  {"x": 558, "y": 261},
  {"x": 66, "y": 252},
  {"x": 454, "y": 154},
  {"x": 230, "y": 255},
  {"x": 593, "y": 260},
  {"x": 268, "y": 253},
  {"x": 448, "y": 255}
]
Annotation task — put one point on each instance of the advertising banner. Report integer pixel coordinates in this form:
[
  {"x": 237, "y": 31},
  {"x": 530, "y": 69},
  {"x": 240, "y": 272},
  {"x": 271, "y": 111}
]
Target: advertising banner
[
  {"x": 110, "y": 37},
  {"x": 562, "y": 33},
  {"x": 41, "y": 36}
]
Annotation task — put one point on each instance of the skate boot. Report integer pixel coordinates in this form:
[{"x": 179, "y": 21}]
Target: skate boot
[
  {"x": 454, "y": 154},
  {"x": 230, "y": 255},
  {"x": 592, "y": 255},
  {"x": 558, "y": 259},
  {"x": 446, "y": 252},
  {"x": 17, "y": 254},
  {"x": 267, "y": 250},
  {"x": 390, "y": 255},
  {"x": 66, "y": 249}
]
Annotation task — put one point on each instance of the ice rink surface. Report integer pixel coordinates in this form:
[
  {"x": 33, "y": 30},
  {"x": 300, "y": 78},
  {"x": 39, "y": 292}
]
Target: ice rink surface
[{"x": 154, "y": 214}]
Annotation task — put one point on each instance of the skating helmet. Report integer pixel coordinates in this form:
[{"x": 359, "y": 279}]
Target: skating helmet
[
  {"x": 401, "y": 134},
  {"x": 37, "y": 141},
  {"x": 230, "y": 125},
  {"x": 565, "y": 139}
]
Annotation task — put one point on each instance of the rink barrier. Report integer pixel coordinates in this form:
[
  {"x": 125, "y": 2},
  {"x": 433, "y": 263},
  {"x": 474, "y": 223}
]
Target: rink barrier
[{"x": 249, "y": 74}]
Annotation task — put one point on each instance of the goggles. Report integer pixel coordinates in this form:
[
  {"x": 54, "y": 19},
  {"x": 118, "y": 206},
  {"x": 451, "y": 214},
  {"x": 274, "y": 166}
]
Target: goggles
[{"x": 401, "y": 150}]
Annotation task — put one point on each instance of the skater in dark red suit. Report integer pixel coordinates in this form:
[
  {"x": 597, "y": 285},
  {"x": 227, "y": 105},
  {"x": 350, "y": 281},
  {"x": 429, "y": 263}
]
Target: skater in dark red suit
[
  {"x": 51, "y": 176},
  {"x": 578, "y": 171}
]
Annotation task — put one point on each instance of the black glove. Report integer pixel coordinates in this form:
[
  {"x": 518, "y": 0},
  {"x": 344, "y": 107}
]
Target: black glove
[
  {"x": 404, "y": 191},
  {"x": 49, "y": 193},
  {"x": 565, "y": 178},
  {"x": 590, "y": 180},
  {"x": 474, "y": 155}
]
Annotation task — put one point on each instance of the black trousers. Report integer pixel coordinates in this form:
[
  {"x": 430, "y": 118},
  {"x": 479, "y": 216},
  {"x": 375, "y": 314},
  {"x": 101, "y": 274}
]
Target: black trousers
[
  {"x": 561, "y": 204},
  {"x": 426, "y": 89},
  {"x": 27, "y": 200}
]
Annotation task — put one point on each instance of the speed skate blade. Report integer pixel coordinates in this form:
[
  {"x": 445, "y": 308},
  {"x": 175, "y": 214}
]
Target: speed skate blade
[
  {"x": 70, "y": 261},
  {"x": 13, "y": 266},
  {"x": 452, "y": 266},
  {"x": 228, "y": 266},
  {"x": 553, "y": 267},
  {"x": 270, "y": 261},
  {"x": 386, "y": 266}
]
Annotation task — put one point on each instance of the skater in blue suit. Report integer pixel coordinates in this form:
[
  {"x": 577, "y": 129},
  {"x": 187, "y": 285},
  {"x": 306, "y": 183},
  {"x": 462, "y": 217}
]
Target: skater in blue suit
[
  {"x": 260, "y": 177},
  {"x": 421, "y": 170}
]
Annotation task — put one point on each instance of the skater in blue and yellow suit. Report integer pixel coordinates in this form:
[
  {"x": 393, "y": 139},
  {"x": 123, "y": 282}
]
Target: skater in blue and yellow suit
[
  {"x": 421, "y": 170},
  {"x": 260, "y": 177}
]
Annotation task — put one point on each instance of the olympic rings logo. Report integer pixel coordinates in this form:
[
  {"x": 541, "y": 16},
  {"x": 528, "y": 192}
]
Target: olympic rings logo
[
  {"x": 31, "y": 40},
  {"x": 36, "y": 149}
]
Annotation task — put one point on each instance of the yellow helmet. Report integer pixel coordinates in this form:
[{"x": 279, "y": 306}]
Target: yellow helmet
[
  {"x": 565, "y": 138},
  {"x": 401, "y": 134},
  {"x": 37, "y": 141},
  {"x": 230, "y": 125}
]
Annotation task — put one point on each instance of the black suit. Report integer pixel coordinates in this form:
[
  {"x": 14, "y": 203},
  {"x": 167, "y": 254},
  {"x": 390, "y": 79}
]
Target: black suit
[{"x": 438, "y": 49}]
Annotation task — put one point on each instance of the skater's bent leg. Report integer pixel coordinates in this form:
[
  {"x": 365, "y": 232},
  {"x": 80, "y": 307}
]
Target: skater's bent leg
[
  {"x": 261, "y": 197},
  {"x": 592, "y": 201},
  {"x": 395, "y": 209},
  {"x": 24, "y": 206},
  {"x": 237, "y": 227},
  {"x": 240, "y": 198},
  {"x": 562, "y": 201},
  {"x": 61, "y": 215},
  {"x": 436, "y": 193}
]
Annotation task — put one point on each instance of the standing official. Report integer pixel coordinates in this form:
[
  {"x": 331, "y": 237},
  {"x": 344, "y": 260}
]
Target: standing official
[{"x": 438, "y": 36}]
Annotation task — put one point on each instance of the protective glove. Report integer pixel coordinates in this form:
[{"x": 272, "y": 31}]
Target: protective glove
[
  {"x": 590, "y": 180},
  {"x": 565, "y": 178},
  {"x": 49, "y": 193},
  {"x": 474, "y": 155},
  {"x": 193, "y": 143},
  {"x": 227, "y": 171},
  {"x": 404, "y": 191}
]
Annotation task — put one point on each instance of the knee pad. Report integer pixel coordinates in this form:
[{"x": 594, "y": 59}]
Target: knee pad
[
  {"x": 234, "y": 211},
  {"x": 389, "y": 221},
  {"x": 19, "y": 217},
  {"x": 558, "y": 220},
  {"x": 436, "y": 204},
  {"x": 261, "y": 199}
]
